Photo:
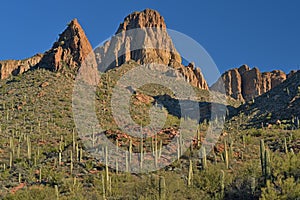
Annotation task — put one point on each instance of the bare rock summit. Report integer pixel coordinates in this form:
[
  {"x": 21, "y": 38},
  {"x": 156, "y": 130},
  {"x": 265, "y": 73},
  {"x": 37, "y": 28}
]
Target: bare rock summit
[
  {"x": 143, "y": 37},
  {"x": 146, "y": 18},
  {"x": 71, "y": 49}
]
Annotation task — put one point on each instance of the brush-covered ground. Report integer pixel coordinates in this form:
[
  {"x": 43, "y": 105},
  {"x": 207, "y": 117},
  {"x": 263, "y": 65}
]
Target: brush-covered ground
[{"x": 42, "y": 157}]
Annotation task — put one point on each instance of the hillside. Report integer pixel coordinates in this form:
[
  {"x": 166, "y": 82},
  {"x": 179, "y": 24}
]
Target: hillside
[
  {"x": 278, "y": 106},
  {"x": 222, "y": 152}
]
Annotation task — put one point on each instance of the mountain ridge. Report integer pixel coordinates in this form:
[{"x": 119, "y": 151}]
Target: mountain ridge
[{"x": 73, "y": 47}]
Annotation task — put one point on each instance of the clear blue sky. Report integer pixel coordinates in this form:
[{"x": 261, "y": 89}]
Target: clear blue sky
[{"x": 263, "y": 33}]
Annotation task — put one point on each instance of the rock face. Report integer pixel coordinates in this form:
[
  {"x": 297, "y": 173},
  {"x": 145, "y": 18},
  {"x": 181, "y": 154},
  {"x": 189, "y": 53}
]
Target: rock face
[
  {"x": 194, "y": 76},
  {"x": 232, "y": 82},
  {"x": 16, "y": 67},
  {"x": 71, "y": 49},
  {"x": 245, "y": 84},
  {"x": 272, "y": 79},
  {"x": 143, "y": 37},
  {"x": 280, "y": 103}
]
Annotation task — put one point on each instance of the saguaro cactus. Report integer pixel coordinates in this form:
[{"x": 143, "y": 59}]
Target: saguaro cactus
[
  {"x": 203, "y": 158},
  {"x": 56, "y": 192},
  {"x": 285, "y": 146},
  {"x": 28, "y": 147},
  {"x": 74, "y": 140},
  {"x": 103, "y": 187},
  {"x": 198, "y": 137},
  {"x": 267, "y": 164},
  {"x": 130, "y": 150},
  {"x": 226, "y": 158},
  {"x": 190, "y": 175},
  {"x": 156, "y": 151},
  {"x": 222, "y": 180},
  {"x": 253, "y": 185},
  {"x": 106, "y": 165},
  {"x": 71, "y": 162},
  {"x": 265, "y": 161},
  {"x": 262, "y": 155},
  {"x": 162, "y": 188}
]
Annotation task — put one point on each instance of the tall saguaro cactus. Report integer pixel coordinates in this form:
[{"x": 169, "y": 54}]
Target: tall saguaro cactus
[
  {"x": 226, "y": 158},
  {"x": 222, "y": 183},
  {"x": 262, "y": 155},
  {"x": 203, "y": 158},
  {"x": 162, "y": 188},
  {"x": 190, "y": 175},
  {"x": 267, "y": 164},
  {"x": 265, "y": 161}
]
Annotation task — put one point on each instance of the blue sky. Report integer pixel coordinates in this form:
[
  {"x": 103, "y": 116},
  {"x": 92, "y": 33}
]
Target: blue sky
[{"x": 260, "y": 33}]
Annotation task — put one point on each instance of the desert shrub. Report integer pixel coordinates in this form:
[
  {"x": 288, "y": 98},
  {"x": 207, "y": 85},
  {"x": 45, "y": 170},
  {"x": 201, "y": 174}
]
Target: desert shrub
[
  {"x": 33, "y": 193},
  {"x": 288, "y": 189}
]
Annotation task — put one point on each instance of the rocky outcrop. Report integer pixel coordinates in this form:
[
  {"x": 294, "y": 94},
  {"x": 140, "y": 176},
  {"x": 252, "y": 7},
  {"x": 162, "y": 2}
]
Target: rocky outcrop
[
  {"x": 71, "y": 50},
  {"x": 194, "y": 76},
  {"x": 16, "y": 67},
  {"x": 272, "y": 79},
  {"x": 245, "y": 84},
  {"x": 146, "y": 18},
  {"x": 251, "y": 83},
  {"x": 281, "y": 103},
  {"x": 143, "y": 37},
  {"x": 232, "y": 82}
]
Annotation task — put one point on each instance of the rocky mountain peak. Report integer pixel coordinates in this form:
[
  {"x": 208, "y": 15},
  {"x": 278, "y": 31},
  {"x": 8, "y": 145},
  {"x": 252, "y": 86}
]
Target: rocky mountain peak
[
  {"x": 147, "y": 18},
  {"x": 143, "y": 38},
  {"x": 70, "y": 49}
]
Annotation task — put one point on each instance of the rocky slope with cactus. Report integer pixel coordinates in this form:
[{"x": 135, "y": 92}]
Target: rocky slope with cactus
[
  {"x": 278, "y": 106},
  {"x": 44, "y": 157}
]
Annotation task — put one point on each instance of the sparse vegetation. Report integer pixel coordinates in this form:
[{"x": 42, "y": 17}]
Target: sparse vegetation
[{"x": 43, "y": 158}]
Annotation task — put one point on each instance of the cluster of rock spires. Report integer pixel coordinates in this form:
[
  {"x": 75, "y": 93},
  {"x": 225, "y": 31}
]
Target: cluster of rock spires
[
  {"x": 142, "y": 37},
  {"x": 245, "y": 84}
]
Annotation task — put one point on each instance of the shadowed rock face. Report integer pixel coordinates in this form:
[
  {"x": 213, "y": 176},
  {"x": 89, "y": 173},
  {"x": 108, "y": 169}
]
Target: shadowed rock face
[
  {"x": 143, "y": 37},
  {"x": 16, "y": 67},
  {"x": 245, "y": 84},
  {"x": 281, "y": 103}
]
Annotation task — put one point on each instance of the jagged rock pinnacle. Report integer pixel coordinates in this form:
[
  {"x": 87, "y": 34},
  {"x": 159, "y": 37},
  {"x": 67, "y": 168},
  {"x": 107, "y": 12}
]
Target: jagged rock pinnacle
[{"x": 70, "y": 50}]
